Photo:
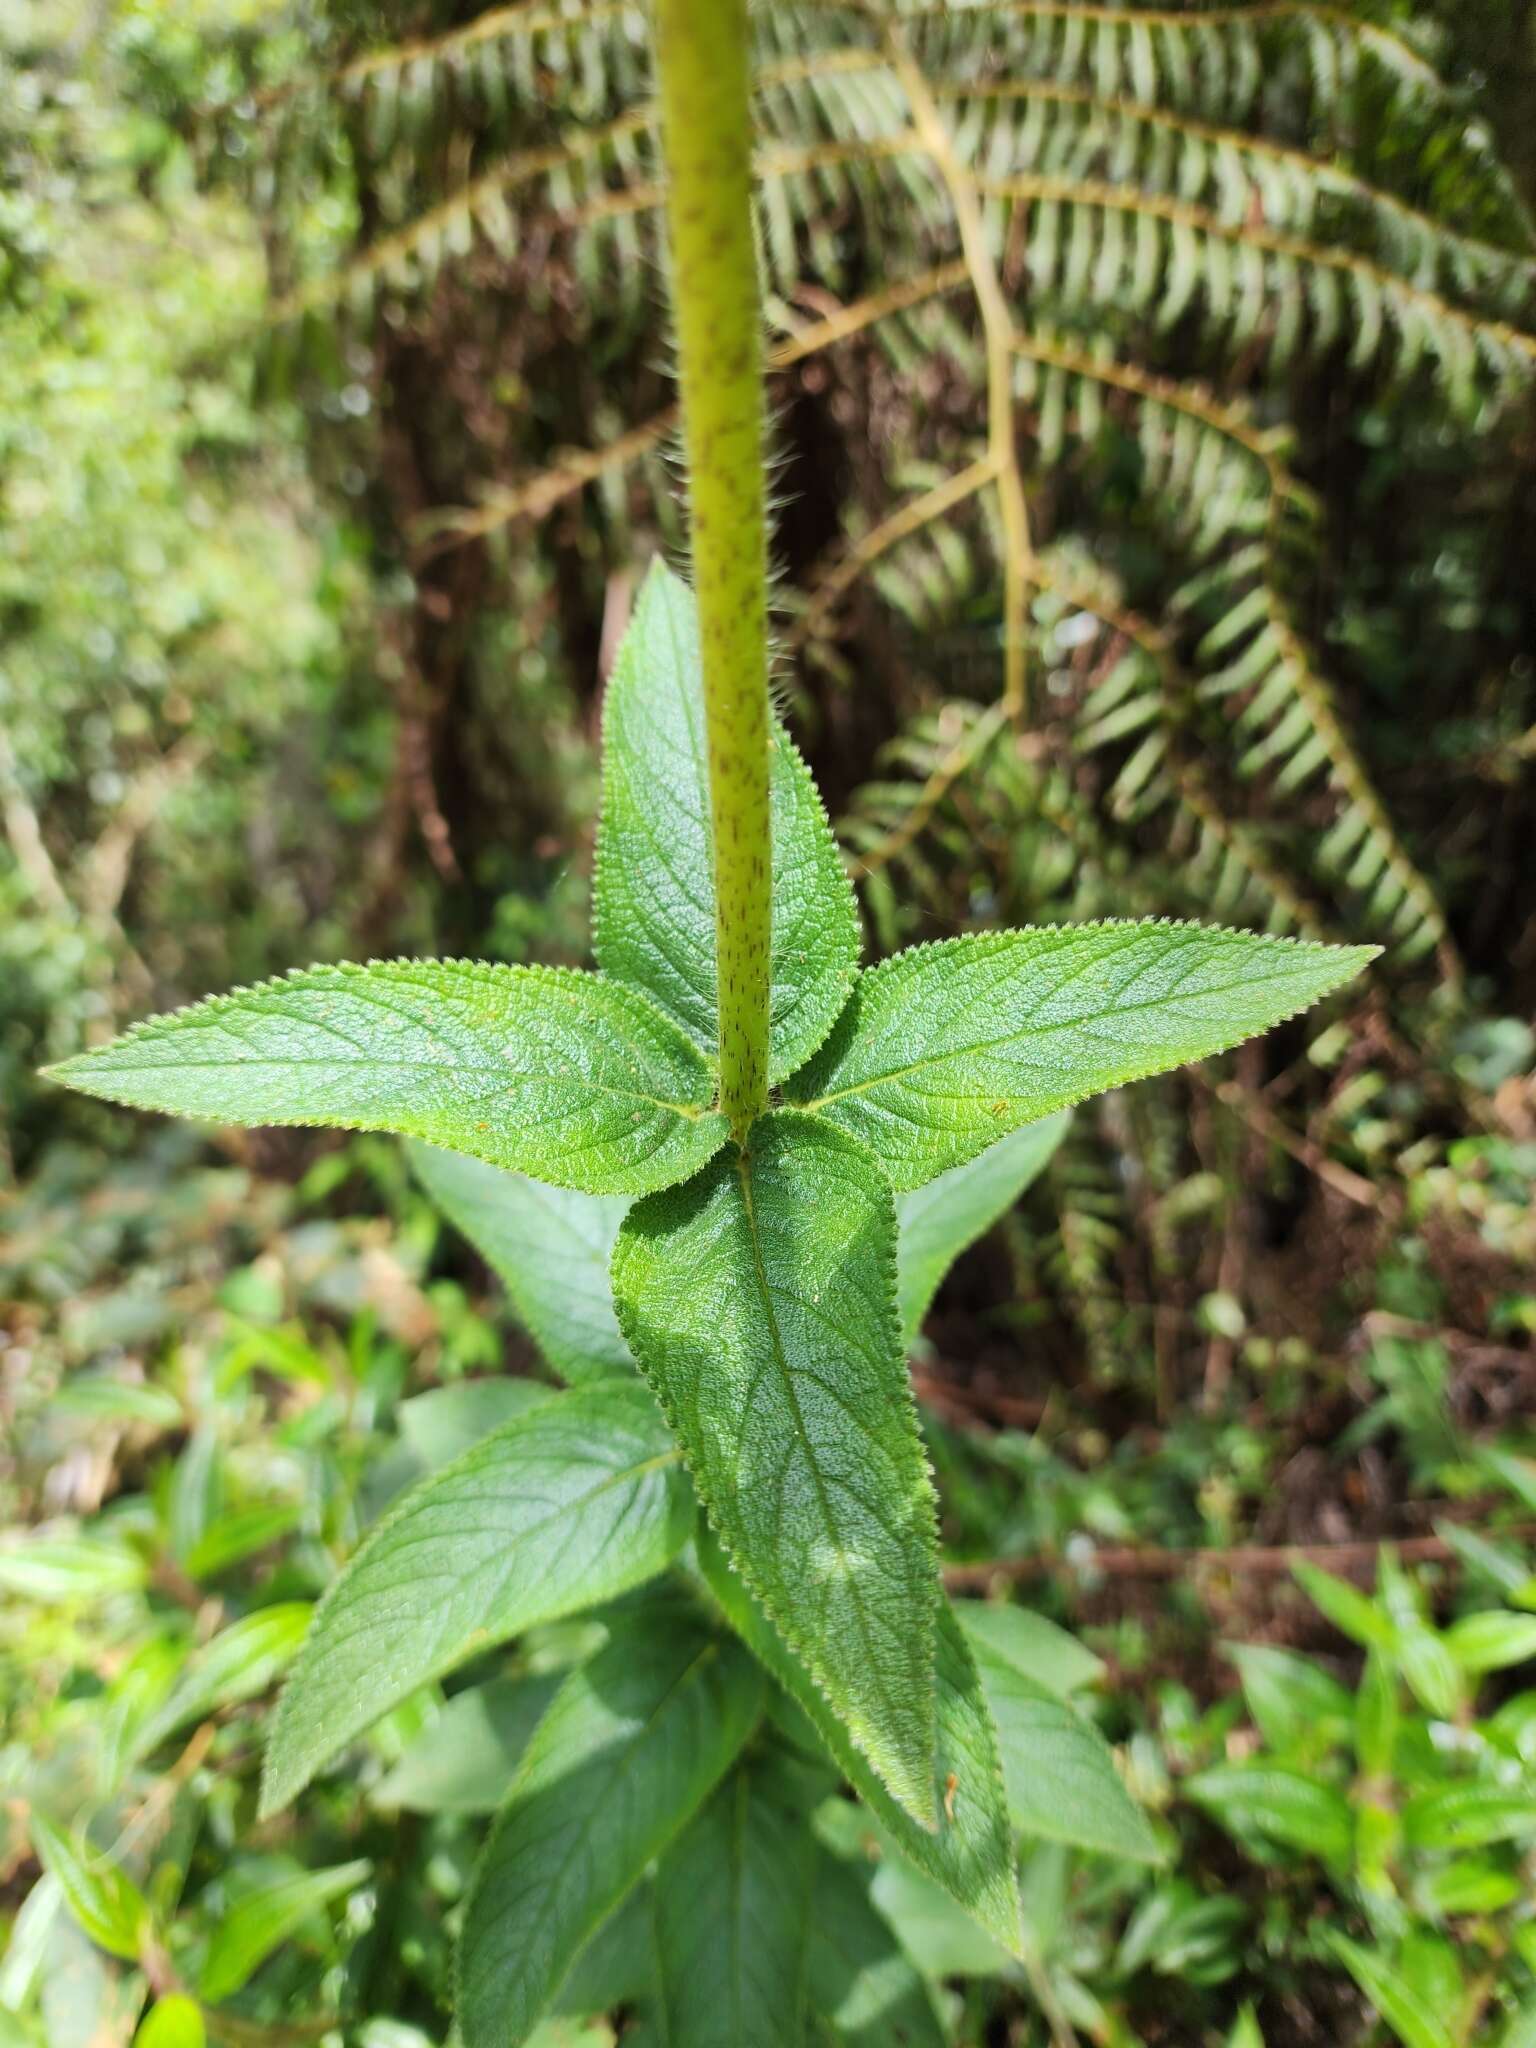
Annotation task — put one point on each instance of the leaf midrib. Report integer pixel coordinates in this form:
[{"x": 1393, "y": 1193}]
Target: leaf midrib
[
  {"x": 765, "y": 1292},
  {"x": 965, "y": 1052},
  {"x": 443, "y": 1662},
  {"x": 623, "y": 1761},
  {"x": 244, "y": 1066}
]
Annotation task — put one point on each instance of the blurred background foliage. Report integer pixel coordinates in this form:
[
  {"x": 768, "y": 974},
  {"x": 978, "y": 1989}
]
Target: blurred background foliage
[{"x": 333, "y": 434}]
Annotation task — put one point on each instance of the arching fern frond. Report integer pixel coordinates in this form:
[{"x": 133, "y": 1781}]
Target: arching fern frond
[{"x": 1010, "y": 237}]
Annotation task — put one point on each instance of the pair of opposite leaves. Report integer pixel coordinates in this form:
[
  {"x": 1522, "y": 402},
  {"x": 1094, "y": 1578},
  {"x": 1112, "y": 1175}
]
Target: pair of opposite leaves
[{"x": 755, "y": 1285}]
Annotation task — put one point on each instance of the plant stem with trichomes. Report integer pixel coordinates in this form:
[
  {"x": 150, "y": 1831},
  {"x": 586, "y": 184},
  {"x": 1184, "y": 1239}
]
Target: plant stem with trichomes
[{"x": 705, "y": 76}]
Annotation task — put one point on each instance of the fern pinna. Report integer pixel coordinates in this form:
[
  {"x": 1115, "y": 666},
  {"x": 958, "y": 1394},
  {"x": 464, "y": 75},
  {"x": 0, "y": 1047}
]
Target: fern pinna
[{"x": 1007, "y": 224}]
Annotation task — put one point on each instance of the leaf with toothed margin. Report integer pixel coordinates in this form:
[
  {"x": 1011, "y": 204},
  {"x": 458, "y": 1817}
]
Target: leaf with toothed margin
[
  {"x": 759, "y": 1300},
  {"x": 577, "y": 1501},
  {"x": 654, "y": 895},
  {"x": 553, "y": 1073},
  {"x": 971, "y": 1852},
  {"x": 938, "y": 1221},
  {"x": 732, "y": 1915},
  {"x": 550, "y": 1248},
  {"x": 632, "y": 1745},
  {"x": 945, "y": 1048},
  {"x": 864, "y": 1987}
]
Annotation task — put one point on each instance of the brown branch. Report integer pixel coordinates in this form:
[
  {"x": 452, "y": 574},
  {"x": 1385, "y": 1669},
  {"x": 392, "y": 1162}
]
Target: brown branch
[{"x": 1147, "y": 1561}]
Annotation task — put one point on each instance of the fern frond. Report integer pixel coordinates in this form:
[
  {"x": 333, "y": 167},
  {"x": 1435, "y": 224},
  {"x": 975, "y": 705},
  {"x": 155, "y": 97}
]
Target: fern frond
[
  {"x": 1237, "y": 271},
  {"x": 1248, "y": 179}
]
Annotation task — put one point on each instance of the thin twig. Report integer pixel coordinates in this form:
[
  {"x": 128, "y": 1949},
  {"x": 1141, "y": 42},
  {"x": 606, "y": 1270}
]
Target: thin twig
[{"x": 1146, "y": 1561}]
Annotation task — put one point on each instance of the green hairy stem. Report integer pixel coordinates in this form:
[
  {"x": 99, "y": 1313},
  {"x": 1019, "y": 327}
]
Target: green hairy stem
[{"x": 702, "y": 51}]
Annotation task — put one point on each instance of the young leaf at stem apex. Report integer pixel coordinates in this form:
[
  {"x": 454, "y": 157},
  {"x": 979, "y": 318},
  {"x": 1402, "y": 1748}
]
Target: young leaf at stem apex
[{"x": 653, "y": 911}]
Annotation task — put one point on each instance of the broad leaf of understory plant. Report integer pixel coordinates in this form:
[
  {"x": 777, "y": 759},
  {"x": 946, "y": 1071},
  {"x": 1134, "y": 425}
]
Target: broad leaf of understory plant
[
  {"x": 1416, "y": 2022},
  {"x": 634, "y": 1743},
  {"x": 248, "y": 1933},
  {"x": 654, "y": 895},
  {"x": 759, "y": 1300},
  {"x": 1061, "y": 1778},
  {"x": 946, "y": 1048},
  {"x": 556, "y": 1074},
  {"x": 939, "y": 1220},
  {"x": 578, "y": 1500},
  {"x": 732, "y": 1916},
  {"x": 971, "y": 1852},
  {"x": 465, "y": 1760},
  {"x": 862, "y": 1985},
  {"x": 1031, "y": 1643},
  {"x": 550, "y": 1248}
]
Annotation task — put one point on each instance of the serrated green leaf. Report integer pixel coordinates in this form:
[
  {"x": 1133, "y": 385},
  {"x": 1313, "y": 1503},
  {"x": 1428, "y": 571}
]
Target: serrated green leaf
[
  {"x": 732, "y": 1914},
  {"x": 444, "y": 1423},
  {"x": 861, "y": 1982},
  {"x": 241, "y": 1661},
  {"x": 1030, "y": 1643},
  {"x": 946, "y": 1048},
  {"x": 1060, "y": 1776},
  {"x": 971, "y": 1853},
  {"x": 634, "y": 1743},
  {"x": 654, "y": 896},
  {"x": 618, "y": 1965},
  {"x": 936, "y": 1222},
  {"x": 550, "y": 1249},
  {"x": 1415, "y": 2024},
  {"x": 578, "y": 1500},
  {"x": 106, "y": 1902},
  {"x": 760, "y": 1302},
  {"x": 1280, "y": 1804},
  {"x": 552, "y": 1073},
  {"x": 263, "y": 1920},
  {"x": 466, "y": 1761}
]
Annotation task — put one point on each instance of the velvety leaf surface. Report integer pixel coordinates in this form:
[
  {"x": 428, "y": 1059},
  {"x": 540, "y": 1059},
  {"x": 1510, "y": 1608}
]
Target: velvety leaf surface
[
  {"x": 971, "y": 1852},
  {"x": 550, "y": 1249},
  {"x": 945, "y": 1048},
  {"x": 937, "y": 1222},
  {"x": 760, "y": 1302},
  {"x": 1061, "y": 1779},
  {"x": 862, "y": 1985},
  {"x": 578, "y": 1500},
  {"x": 732, "y": 1914},
  {"x": 552, "y": 1073},
  {"x": 654, "y": 899},
  {"x": 634, "y": 1743}
]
